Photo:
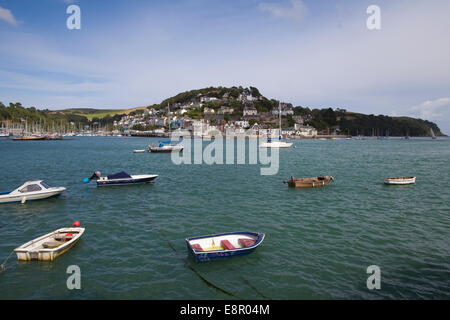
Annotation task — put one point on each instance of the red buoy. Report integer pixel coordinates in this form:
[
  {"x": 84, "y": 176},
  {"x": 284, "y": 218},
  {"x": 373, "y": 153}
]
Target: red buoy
[{"x": 76, "y": 224}]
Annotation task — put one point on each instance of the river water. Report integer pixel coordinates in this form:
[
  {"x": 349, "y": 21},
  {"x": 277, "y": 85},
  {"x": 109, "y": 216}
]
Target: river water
[{"x": 319, "y": 242}]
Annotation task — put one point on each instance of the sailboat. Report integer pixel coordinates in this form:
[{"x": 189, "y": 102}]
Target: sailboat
[
  {"x": 166, "y": 146},
  {"x": 432, "y": 134},
  {"x": 279, "y": 143}
]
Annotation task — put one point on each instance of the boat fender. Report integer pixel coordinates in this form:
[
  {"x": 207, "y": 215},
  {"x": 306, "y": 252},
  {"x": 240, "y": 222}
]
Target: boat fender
[{"x": 23, "y": 200}]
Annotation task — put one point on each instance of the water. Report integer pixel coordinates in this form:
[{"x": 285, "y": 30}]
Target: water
[{"x": 319, "y": 242}]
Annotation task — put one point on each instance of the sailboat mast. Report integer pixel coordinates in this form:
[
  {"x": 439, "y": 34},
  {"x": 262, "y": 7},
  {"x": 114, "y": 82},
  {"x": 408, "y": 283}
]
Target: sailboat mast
[{"x": 279, "y": 116}]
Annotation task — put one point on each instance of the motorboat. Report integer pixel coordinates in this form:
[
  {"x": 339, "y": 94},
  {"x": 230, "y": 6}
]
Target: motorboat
[
  {"x": 50, "y": 246},
  {"x": 165, "y": 147},
  {"x": 309, "y": 182},
  {"x": 120, "y": 179},
  {"x": 223, "y": 245},
  {"x": 31, "y": 190},
  {"x": 400, "y": 180}
]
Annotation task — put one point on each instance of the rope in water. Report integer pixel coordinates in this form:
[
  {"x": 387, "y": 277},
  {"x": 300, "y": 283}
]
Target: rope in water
[{"x": 2, "y": 266}]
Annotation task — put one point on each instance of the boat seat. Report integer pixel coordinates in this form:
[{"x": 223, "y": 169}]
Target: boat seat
[
  {"x": 227, "y": 244},
  {"x": 246, "y": 242},
  {"x": 197, "y": 247},
  {"x": 63, "y": 237},
  {"x": 51, "y": 244}
]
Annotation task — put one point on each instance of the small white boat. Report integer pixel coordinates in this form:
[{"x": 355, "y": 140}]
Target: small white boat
[
  {"x": 31, "y": 190},
  {"x": 400, "y": 180},
  {"x": 50, "y": 246},
  {"x": 275, "y": 144},
  {"x": 139, "y": 151}
]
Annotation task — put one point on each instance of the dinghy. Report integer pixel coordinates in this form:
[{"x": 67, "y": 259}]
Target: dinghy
[
  {"x": 31, "y": 190},
  {"x": 50, "y": 246},
  {"x": 224, "y": 245},
  {"x": 400, "y": 180},
  {"x": 309, "y": 182},
  {"x": 120, "y": 179}
]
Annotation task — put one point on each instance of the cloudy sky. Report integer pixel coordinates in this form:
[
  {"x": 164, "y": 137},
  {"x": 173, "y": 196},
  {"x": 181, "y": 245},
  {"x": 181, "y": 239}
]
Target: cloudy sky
[{"x": 311, "y": 53}]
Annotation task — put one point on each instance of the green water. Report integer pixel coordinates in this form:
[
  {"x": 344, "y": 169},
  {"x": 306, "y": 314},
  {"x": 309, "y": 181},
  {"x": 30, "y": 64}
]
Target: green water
[{"x": 318, "y": 243}]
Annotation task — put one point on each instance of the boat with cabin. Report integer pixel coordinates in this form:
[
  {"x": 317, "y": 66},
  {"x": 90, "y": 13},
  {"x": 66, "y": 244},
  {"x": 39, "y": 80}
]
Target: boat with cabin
[
  {"x": 309, "y": 182},
  {"x": 223, "y": 245},
  {"x": 120, "y": 179},
  {"x": 31, "y": 190}
]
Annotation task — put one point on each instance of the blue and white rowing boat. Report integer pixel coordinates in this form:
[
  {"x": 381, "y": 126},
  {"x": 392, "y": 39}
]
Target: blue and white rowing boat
[
  {"x": 120, "y": 179},
  {"x": 223, "y": 245}
]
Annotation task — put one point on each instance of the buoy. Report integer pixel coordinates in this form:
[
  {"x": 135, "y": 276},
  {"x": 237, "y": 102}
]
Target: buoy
[
  {"x": 86, "y": 180},
  {"x": 76, "y": 224}
]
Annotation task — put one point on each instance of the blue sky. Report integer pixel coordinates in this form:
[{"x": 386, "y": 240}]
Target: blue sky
[{"x": 311, "y": 53}]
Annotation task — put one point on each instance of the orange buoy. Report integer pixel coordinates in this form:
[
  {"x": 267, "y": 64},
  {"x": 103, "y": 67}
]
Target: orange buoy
[{"x": 76, "y": 224}]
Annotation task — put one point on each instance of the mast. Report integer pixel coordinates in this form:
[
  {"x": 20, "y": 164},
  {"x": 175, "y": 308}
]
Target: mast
[{"x": 279, "y": 115}]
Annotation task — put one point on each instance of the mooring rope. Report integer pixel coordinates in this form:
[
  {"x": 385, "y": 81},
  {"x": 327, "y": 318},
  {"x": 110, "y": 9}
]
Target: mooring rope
[
  {"x": 200, "y": 276},
  {"x": 2, "y": 266}
]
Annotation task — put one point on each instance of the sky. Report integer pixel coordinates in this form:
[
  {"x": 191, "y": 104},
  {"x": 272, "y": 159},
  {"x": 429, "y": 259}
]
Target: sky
[{"x": 313, "y": 53}]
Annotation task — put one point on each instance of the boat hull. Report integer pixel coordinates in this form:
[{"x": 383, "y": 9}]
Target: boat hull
[
  {"x": 125, "y": 182},
  {"x": 400, "y": 180},
  {"x": 213, "y": 255},
  {"x": 309, "y": 182},
  {"x": 165, "y": 149},
  {"x": 30, "y": 197}
]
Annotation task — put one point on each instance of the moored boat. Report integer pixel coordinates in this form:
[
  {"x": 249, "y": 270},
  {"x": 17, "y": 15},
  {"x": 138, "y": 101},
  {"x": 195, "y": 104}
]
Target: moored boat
[
  {"x": 223, "y": 245},
  {"x": 50, "y": 246},
  {"x": 120, "y": 179},
  {"x": 165, "y": 147},
  {"x": 29, "y": 138},
  {"x": 31, "y": 190},
  {"x": 309, "y": 182},
  {"x": 400, "y": 180}
]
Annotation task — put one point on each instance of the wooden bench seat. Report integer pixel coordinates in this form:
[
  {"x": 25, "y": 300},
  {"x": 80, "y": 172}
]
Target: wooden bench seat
[
  {"x": 246, "y": 242},
  {"x": 197, "y": 247},
  {"x": 227, "y": 244}
]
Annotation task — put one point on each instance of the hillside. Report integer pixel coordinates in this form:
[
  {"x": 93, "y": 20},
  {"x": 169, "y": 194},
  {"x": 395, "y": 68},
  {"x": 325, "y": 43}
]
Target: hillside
[{"x": 235, "y": 98}]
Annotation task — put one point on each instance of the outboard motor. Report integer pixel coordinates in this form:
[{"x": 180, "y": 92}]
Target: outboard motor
[{"x": 95, "y": 176}]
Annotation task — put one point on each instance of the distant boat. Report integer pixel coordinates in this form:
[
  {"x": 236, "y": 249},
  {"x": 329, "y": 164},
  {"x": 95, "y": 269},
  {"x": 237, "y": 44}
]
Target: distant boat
[
  {"x": 165, "y": 147},
  {"x": 120, "y": 179},
  {"x": 400, "y": 180},
  {"x": 224, "y": 245},
  {"x": 50, "y": 246},
  {"x": 31, "y": 190},
  {"x": 309, "y": 182},
  {"x": 276, "y": 144},
  {"x": 432, "y": 134},
  {"x": 139, "y": 151},
  {"x": 29, "y": 138}
]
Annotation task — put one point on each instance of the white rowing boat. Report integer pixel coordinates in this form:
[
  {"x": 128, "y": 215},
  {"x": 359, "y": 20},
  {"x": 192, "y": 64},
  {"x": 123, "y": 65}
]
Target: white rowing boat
[
  {"x": 50, "y": 246},
  {"x": 400, "y": 180}
]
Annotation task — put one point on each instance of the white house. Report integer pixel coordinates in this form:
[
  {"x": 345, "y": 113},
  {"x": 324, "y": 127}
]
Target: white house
[
  {"x": 306, "y": 131},
  {"x": 207, "y": 99},
  {"x": 250, "y": 111}
]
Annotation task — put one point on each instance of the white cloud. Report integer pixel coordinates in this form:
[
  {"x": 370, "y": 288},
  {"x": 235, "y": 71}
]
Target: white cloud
[
  {"x": 434, "y": 110},
  {"x": 7, "y": 16},
  {"x": 296, "y": 10}
]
